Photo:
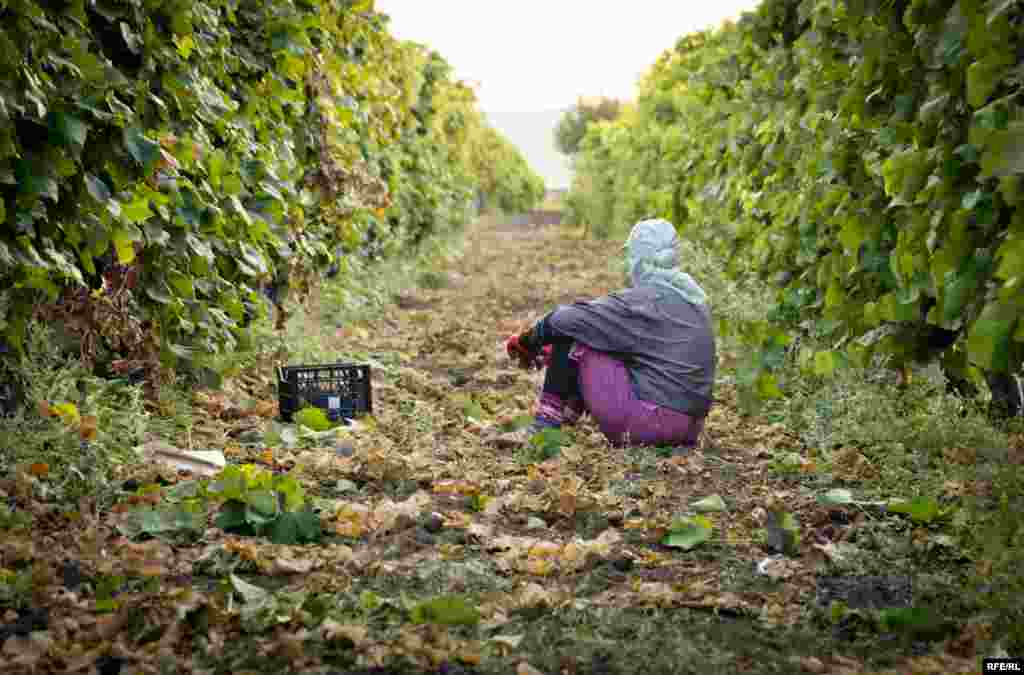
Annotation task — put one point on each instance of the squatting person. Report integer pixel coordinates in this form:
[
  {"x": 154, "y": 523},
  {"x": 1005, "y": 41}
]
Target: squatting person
[{"x": 640, "y": 361}]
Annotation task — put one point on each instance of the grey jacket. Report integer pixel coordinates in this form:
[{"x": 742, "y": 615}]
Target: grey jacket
[{"x": 667, "y": 343}]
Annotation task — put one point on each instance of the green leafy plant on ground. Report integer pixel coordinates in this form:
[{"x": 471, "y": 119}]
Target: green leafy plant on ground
[
  {"x": 259, "y": 503},
  {"x": 314, "y": 418},
  {"x": 249, "y": 500},
  {"x": 544, "y": 444}
]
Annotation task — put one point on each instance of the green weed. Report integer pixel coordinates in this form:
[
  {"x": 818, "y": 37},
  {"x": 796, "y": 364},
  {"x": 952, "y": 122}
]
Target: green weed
[
  {"x": 78, "y": 457},
  {"x": 432, "y": 280}
]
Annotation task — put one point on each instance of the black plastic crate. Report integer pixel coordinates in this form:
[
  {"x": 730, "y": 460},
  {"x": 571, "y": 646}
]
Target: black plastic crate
[{"x": 341, "y": 390}]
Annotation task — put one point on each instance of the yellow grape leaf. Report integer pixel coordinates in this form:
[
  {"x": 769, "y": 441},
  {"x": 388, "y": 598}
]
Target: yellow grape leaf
[
  {"x": 124, "y": 247},
  {"x": 545, "y": 549},
  {"x": 352, "y": 520},
  {"x": 572, "y": 553},
  {"x": 459, "y": 487},
  {"x": 184, "y": 44},
  {"x": 349, "y": 528},
  {"x": 538, "y": 567},
  {"x": 151, "y": 569},
  {"x": 68, "y": 412}
]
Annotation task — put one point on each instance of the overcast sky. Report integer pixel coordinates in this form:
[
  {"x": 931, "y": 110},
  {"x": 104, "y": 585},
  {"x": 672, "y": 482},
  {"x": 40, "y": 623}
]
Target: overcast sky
[{"x": 533, "y": 58}]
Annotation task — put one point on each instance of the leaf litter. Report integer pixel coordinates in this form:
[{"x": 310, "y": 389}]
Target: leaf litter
[{"x": 439, "y": 549}]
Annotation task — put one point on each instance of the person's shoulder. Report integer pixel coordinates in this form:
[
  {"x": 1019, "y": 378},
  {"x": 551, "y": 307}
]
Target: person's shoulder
[
  {"x": 640, "y": 300},
  {"x": 642, "y": 294}
]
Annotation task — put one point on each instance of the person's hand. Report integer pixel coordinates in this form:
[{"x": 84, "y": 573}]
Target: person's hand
[{"x": 517, "y": 351}]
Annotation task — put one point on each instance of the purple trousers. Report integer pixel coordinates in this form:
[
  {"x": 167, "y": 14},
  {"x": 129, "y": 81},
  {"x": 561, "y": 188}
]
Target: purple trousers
[{"x": 622, "y": 417}]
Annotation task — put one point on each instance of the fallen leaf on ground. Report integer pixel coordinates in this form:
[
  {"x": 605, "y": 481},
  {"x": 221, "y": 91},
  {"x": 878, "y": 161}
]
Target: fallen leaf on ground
[{"x": 292, "y": 566}]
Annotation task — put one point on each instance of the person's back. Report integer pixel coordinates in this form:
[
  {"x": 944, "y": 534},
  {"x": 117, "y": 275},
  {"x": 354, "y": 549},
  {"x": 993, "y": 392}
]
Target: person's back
[{"x": 666, "y": 343}]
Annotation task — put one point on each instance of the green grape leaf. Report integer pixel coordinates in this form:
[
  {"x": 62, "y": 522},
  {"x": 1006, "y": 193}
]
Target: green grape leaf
[
  {"x": 711, "y": 503},
  {"x": 920, "y": 509},
  {"x": 231, "y": 483},
  {"x": 66, "y": 129},
  {"x": 284, "y": 530},
  {"x": 298, "y": 527},
  {"x": 988, "y": 340},
  {"x": 768, "y": 387},
  {"x": 181, "y": 284},
  {"x": 40, "y": 185},
  {"x": 837, "y": 496},
  {"x": 1004, "y": 151},
  {"x": 264, "y": 501},
  {"x": 97, "y": 188},
  {"x": 825, "y": 363},
  {"x": 145, "y": 151},
  {"x": 136, "y": 211},
  {"x": 313, "y": 418},
  {"x": 231, "y": 516},
  {"x": 957, "y": 290},
  {"x": 687, "y": 533},
  {"x": 982, "y": 80},
  {"x": 1010, "y": 257},
  {"x": 852, "y": 235},
  {"x": 292, "y": 490},
  {"x": 309, "y": 525},
  {"x": 446, "y": 610},
  {"x": 1011, "y": 188},
  {"x": 215, "y": 167},
  {"x": 159, "y": 294}
]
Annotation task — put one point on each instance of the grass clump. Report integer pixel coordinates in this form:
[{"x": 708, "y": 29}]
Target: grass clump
[
  {"x": 432, "y": 280},
  {"x": 72, "y": 453}
]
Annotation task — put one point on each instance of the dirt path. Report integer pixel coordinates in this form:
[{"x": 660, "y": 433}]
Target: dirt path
[{"x": 562, "y": 557}]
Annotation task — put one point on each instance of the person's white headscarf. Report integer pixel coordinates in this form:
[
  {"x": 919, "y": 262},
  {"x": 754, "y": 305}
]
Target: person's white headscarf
[{"x": 652, "y": 257}]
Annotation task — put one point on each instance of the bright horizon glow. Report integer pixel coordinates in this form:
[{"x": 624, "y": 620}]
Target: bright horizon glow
[{"x": 533, "y": 57}]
